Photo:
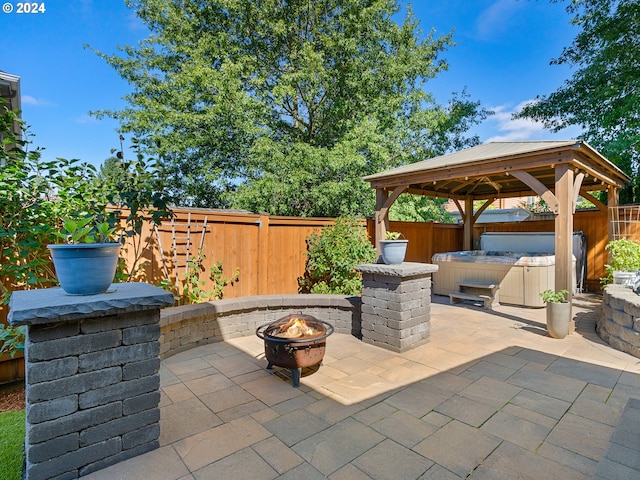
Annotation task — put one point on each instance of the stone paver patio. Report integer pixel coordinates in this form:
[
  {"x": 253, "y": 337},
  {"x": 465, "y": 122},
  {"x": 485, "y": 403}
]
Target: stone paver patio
[{"x": 491, "y": 396}]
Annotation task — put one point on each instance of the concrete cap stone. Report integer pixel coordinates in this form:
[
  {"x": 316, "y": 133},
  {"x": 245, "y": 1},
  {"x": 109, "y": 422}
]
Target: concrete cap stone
[
  {"x": 405, "y": 269},
  {"x": 49, "y": 305}
]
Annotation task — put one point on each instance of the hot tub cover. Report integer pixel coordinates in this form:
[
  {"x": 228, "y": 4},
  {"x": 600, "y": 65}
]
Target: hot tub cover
[{"x": 505, "y": 258}]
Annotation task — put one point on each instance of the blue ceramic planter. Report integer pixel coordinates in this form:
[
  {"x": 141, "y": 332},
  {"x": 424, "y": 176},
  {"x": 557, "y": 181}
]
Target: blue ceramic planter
[
  {"x": 85, "y": 268},
  {"x": 393, "y": 251}
]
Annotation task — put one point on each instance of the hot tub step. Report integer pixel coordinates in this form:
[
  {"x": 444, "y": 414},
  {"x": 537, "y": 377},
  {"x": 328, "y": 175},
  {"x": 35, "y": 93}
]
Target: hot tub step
[
  {"x": 487, "y": 300},
  {"x": 481, "y": 291}
]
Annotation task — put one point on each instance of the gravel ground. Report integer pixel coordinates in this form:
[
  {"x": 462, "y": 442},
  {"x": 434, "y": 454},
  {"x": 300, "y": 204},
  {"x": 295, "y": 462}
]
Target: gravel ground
[{"x": 12, "y": 397}]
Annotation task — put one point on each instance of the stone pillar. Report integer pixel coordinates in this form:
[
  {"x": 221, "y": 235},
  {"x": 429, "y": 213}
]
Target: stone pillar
[
  {"x": 396, "y": 304},
  {"x": 92, "y": 381}
]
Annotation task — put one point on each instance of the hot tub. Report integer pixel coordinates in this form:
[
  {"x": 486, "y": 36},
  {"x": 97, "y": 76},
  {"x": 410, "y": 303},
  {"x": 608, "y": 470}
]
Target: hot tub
[{"x": 521, "y": 276}]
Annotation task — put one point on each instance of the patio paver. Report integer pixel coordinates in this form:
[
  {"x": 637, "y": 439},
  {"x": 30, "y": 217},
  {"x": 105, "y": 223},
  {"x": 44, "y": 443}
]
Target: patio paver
[{"x": 491, "y": 396}]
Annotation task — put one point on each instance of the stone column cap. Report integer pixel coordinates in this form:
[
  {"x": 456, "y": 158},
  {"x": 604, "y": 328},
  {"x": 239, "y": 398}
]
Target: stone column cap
[
  {"x": 50, "y": 305},
  {"x": 405, "y": 269}
]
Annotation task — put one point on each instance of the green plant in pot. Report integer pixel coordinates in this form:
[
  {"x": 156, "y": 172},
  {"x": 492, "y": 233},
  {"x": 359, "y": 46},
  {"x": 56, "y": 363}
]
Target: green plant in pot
[
  {"x": 86, "y": 263},
  {"x": 393, "y": 248},
  {"x": 558, "y": 312}
]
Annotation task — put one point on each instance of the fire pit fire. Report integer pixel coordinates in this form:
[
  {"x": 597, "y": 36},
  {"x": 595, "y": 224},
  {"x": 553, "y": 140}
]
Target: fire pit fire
[
  {"x": 295, "y": 341},
  {"x": 296, "y": 327}
]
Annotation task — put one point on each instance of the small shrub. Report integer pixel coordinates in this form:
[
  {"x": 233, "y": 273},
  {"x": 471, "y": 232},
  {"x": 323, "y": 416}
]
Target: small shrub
[
  {"x": 193, "y": 290},
  {"x": 332, "y": 256},
  {"x": 625, "y": 257}
]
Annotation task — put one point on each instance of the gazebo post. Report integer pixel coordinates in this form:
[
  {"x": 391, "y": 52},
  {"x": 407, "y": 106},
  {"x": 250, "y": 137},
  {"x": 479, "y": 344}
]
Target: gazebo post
[
  {"x": 468, "y": 223},
  {"x": 612, "y": 203},
  {"x": 382, "y": 217},
  {"x": 384, "y": 200},
  {"x": 564, "y": 229}
]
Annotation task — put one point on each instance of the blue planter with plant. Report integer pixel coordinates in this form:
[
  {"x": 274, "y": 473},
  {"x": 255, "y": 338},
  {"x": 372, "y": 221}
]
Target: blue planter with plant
[
  {"x": 393, "y": 249},
  {"x": 87, "y": 264}
]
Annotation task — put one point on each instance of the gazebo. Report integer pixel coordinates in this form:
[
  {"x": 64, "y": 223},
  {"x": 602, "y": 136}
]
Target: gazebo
[{"x": 557, "y": 171}]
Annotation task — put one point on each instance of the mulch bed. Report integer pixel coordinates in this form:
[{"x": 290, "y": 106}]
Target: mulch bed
[{"x": 12, "y": 397}]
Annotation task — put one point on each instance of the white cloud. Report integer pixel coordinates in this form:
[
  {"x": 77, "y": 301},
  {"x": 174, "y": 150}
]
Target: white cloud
[
  {"x": 86, "y": 119},
  {"x": 35, "y": 102},
  {"x": 497, "y": 18},
  {"x": 135, "y": 24},
  {"x": 513, "y": 130}
]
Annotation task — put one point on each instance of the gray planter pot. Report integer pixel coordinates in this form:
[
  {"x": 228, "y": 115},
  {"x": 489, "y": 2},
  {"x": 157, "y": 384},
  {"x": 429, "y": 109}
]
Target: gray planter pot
[
  {"x": 393, "y": 251},
  {"x": 85, "y": 268},
  {"x": 558, "y": 319}
]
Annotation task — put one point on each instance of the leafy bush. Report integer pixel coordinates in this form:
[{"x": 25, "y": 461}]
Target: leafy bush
[
  {"x": 12, "y": 339},
  {"x": 332, "y": 256},
  {"x": 625, "y": 256},
  {"x": 36, "y": 195}
]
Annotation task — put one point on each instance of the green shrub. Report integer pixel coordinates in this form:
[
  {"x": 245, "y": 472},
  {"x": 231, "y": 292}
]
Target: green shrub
[
  {"x": 332, "y": 256},
  {"x": 12, "y": 432},
  {"x": 36, "y": 195},
  {"x": 625, "y": 257}
]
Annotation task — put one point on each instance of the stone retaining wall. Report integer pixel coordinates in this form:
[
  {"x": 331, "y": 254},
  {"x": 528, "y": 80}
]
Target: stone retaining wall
[
  {"x": 619, "y": 321},
  {"x": 188, "y": 326},
  {"x": 92, "y": 382}
]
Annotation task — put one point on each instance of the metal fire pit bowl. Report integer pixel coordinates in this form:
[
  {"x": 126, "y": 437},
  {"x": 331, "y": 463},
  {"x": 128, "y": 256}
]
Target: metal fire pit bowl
[{"x": 295, "y": 353}]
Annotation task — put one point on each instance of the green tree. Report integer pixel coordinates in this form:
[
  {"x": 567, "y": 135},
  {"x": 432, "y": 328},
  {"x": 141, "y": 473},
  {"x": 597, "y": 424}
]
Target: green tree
[
  {"x": 603, "y": 95},
  {"x": 111, "y": 170},
  {"x": 417, "y": 208},
  {"x": 283, "y": 106}
]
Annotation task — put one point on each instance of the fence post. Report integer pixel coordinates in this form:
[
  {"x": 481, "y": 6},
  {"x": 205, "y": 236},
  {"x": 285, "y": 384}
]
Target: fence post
[{"x": 263, "y": 255}]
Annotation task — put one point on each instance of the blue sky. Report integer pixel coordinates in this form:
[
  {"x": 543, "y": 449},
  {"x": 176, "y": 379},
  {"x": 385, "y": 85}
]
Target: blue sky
[{"x": 502, "y": 58}]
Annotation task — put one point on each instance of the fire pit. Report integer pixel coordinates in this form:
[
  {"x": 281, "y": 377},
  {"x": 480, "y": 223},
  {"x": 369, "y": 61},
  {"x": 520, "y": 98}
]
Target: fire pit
[{"x": 295, "y": 342}]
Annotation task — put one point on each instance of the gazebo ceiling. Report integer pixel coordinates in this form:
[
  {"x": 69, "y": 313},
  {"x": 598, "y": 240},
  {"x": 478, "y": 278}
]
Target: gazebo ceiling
[{"x": 495, "y": 170}]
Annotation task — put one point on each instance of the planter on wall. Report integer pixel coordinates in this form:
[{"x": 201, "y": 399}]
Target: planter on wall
[
  {"x": 85, "y": 268},
  {"x": 558, "y": 319},
  {"x": 393, "y": 251},
  {"x": 624, "y": 278}
]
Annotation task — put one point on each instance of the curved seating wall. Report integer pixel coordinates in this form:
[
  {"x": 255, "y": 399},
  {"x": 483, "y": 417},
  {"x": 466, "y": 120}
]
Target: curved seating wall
[
  {"x": 188, "y": 326},
  {"x": 619, "y": 321}
]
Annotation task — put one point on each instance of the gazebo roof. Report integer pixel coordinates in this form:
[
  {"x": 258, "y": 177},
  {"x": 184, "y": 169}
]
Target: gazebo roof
[{"x": 484, "y": 171}]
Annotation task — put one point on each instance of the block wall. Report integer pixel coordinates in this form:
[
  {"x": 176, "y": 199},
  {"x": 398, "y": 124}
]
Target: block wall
[
  {"x": 92, "y": 392},
  {"x": 619, "y": 322}
]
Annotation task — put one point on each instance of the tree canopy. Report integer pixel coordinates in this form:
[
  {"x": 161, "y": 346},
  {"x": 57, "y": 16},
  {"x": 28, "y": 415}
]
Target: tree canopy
[
  {"x": 282, "y": 106},
  {"x": 603, "y": 95}
]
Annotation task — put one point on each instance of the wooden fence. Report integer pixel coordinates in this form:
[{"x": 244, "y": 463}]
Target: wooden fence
[
  {"x": 425, "y": 238},
  {"x": 268, "y": 252}
]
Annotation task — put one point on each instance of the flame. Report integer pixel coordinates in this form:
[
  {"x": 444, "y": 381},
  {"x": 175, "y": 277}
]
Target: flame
[{"x": 296, "y": 327}]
